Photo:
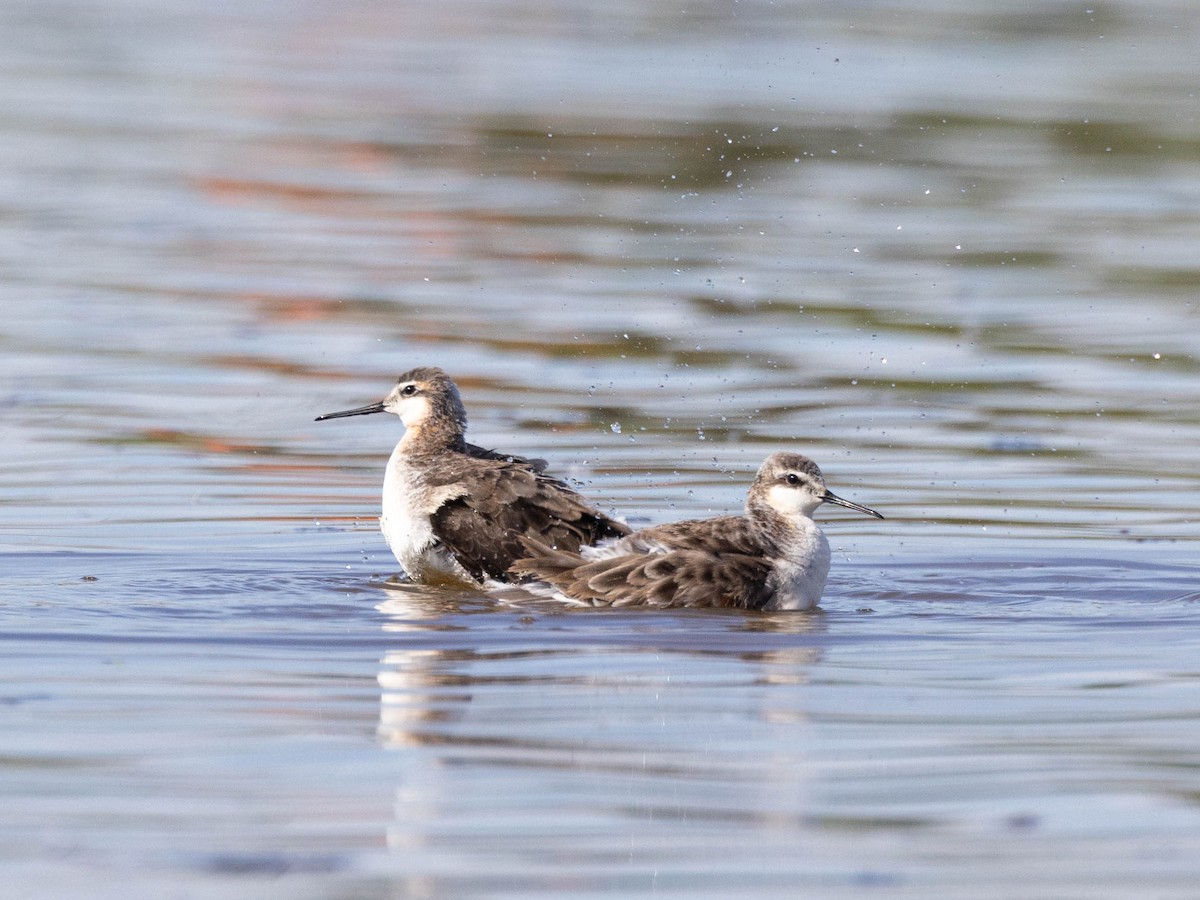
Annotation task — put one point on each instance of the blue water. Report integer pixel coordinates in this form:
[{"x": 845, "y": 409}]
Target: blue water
[{"x": 946, "y": 251}]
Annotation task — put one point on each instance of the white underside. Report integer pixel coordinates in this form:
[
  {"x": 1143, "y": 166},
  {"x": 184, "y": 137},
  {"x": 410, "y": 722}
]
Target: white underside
[{"x": 800, "y": 577}]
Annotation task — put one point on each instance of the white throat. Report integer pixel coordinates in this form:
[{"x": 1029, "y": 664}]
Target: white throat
[{"x": 414, "y": 411}]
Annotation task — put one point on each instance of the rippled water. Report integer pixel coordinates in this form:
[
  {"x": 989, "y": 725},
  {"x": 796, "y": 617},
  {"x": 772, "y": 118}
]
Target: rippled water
[{"x": 948, "y": 251}]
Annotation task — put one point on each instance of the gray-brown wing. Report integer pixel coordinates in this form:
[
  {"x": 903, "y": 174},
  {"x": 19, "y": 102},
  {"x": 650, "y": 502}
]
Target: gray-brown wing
[
  {"x": 507, "y": 501},
  {"x": 670, "y": 578}
]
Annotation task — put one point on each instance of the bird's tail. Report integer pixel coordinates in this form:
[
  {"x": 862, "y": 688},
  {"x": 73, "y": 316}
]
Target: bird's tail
[{"x": 544, "y": 562}]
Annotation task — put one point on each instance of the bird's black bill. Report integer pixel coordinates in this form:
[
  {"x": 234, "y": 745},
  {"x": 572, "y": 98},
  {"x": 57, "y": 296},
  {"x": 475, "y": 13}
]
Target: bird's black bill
[
  {"x": 360, "y": 411},
  {"x": 834, "y": 498}
]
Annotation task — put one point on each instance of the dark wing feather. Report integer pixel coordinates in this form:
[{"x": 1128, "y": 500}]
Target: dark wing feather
[{"x": 507, "y": 500}]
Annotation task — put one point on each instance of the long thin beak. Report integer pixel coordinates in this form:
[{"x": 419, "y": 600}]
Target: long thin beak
[
  {"x": 831, "y": 497},
  {"x": 360, "y": 411}
]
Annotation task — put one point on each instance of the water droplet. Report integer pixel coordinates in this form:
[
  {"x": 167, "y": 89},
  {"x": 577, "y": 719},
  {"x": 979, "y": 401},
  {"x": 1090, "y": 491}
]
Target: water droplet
[{"x": 616, "y": 427}]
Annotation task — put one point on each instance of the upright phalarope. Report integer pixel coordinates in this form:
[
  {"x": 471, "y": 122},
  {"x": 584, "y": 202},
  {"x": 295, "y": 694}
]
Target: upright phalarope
[{"x": 456, "y": 513}]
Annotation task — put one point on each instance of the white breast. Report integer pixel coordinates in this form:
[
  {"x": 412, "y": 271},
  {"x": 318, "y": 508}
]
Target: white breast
[
  {"x": 407, "y": 505},
  {"x": 799, "y": 577}
]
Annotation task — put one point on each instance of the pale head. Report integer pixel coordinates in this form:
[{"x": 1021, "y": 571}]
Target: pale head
[
  {"x": 422, "y": 397},
  {"x": 791, "y": 485},
  {"x": 425, "y": 394}
]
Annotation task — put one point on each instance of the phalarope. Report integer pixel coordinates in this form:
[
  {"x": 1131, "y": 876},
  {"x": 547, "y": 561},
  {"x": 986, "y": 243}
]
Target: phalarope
[
  {"x": 454, "y": 512},
  {"x": 773, "y": 557}
]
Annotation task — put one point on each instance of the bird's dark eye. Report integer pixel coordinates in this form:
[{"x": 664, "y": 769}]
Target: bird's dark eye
[
  {"x": 408, "y": 390},
  {"x": 793, "y": 478}
]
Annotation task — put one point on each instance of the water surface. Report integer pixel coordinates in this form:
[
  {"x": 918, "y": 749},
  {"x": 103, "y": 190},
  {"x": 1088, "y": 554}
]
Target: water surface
[{"x": 946, "y": 251}]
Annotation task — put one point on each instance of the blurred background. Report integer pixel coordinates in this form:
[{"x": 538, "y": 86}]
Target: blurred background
[{"x": 947, "y": 249}]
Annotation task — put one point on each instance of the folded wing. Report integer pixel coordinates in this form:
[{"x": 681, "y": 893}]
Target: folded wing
[{"x": 509, "y": 499}]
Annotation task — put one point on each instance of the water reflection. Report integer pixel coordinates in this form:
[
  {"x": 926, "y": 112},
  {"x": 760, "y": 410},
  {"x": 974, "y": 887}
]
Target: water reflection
[
  {"x": 413, "y": 681},
  {"x": 423, "y": 683},
  {"x": 528, "y": 719}
]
